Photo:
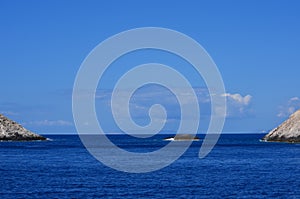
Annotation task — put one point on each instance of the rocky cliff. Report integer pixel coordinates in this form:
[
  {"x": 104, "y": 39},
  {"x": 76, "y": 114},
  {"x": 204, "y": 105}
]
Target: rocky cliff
[
  {"x": 288, "y": 131},
  {"x": 12, "y": 131}
]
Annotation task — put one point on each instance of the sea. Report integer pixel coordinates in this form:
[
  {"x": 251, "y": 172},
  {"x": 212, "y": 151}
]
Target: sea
[{"x": 239, "y": 166}]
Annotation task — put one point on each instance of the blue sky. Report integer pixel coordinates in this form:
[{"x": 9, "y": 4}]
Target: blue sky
[{"x": 255, "y": 44}]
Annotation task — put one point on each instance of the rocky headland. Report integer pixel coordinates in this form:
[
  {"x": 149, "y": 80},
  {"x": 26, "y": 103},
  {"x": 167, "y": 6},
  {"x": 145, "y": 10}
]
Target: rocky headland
[
  {"x": 12, "y": 131},
  {"x": 288, "y": 131}
]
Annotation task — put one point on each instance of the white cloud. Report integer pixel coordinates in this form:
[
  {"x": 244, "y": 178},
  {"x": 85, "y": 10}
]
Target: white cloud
[
  {"x": 49, "y": 123},
  {"x": 238, "y": 105},
  {"x": 239, "y": 99},
  {"x": 290, "y": 107}
]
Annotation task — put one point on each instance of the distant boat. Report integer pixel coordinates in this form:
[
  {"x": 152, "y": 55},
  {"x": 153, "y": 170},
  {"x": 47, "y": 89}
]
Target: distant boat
[{"x": 183, "y": 137}]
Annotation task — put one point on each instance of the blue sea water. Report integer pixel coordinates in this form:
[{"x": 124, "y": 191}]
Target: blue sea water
[{"x": 238, "y": 167}]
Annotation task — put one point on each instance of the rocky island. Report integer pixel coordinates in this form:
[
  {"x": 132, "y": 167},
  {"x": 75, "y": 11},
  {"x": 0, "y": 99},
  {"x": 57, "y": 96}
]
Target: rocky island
[
  {"x": 182, "y": 137},
  {"x": 12, "y": 131},
  {"x": 288, "y": 131}
]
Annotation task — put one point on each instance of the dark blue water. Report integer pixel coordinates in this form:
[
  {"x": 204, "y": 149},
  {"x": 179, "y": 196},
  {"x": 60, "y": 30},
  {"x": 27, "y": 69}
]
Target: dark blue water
[{"x": 239, "y": 167}]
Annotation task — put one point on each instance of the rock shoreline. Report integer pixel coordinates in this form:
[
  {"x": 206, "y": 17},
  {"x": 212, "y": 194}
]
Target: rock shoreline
[
  {"x": 288, "y": 131},
  {"x": 182, "y": 137},
  {"x": 12, "y": 131}
]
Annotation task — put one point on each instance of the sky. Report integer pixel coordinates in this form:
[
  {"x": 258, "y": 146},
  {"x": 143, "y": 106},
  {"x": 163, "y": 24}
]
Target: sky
[{"x": 255, "y": 44}]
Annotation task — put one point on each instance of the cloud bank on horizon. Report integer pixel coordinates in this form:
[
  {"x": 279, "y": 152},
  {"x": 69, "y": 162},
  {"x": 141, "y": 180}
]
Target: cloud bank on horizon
[{"x": 239, "y": 106}]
